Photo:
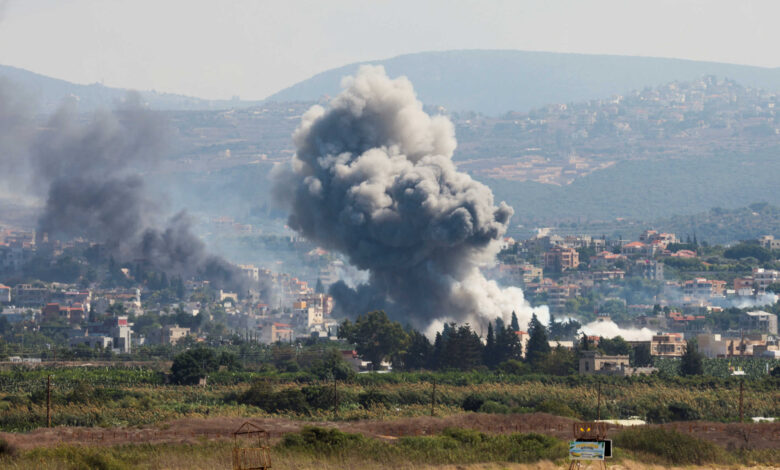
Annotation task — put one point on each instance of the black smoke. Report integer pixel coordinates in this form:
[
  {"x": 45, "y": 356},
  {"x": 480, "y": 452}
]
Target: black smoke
[
  {"x": 373, "y": 178},
  {"x": 90, "y": 173}
]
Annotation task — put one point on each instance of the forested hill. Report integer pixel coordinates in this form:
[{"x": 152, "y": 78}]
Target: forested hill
[
  {"x": 719, "y": 225},
  {"x": 497, "y": 81}
]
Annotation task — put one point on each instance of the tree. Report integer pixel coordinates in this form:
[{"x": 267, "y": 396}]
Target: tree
[
  {"x": 230, "y": 361},
  {"x": 178, "y": 285},
  {"x": 538, "y": 347},
  {"x": 191, "y": 366},
  {"x": 515, "y": 324},
  {"x": 508, "y": 345},
  {"x": 375, "y": 337},
  {"x": 745, "y": 250},
  {"x": 642, "y": 356},
  {"x": 461, "y": 348},
  {"x": 419, "y": 354},
  {"x": 691, "y": 362},
  {"x": 490, "y": 347},
  {"x": 616, "y": 346},
  {"x": 566, "y": 330},
  {"x": 331, "y": 365},
  {"x": 559, "y": 361},
  {"x": 438, "y": 350}
]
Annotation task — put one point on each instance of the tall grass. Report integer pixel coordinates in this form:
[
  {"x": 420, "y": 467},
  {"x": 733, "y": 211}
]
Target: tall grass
[
  {"x": 671, "y": 447},
  {"x": 452, "y": 446}
]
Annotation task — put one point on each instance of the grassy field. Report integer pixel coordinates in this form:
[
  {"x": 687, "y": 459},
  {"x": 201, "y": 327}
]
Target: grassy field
[
  {"x": 379, "y": 421},
  {"x": 453, "y": 448},
  {"x": 107, "y": 397}
]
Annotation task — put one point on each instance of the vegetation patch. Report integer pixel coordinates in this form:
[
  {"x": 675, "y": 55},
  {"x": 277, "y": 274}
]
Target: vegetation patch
[
  {"x": 453, "y": 445},
  {"x": 671, "y": 447}
]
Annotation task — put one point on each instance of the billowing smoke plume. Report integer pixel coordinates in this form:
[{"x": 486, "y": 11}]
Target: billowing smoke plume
[
  {"x": 373, "y": 178},
  {"x": 90, "y": 175}
]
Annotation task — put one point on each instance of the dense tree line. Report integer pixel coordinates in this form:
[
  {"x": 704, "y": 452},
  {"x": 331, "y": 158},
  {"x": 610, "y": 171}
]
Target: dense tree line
[{"x": 459, "y": 347}]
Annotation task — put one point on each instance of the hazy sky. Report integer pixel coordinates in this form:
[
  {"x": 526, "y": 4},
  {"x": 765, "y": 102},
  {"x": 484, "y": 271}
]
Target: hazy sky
[{"x": 217, "y": 49}]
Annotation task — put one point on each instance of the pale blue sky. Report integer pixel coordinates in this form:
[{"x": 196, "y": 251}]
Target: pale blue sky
[{"x": 216, "y": 49}]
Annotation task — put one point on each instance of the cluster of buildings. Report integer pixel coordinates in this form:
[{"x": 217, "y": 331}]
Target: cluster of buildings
[
  {"x": 551, "y": 267},
  {"x": 761, "y": 342},
  {"x": 97, "y": 317},
  {"x": 87, "y": 316},
  {"x": 562, "y": 142}
]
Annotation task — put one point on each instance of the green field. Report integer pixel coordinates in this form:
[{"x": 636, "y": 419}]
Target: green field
[{"x": 110, "y": 397}]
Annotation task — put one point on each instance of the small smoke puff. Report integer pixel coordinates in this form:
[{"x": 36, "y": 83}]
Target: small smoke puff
[{"x": 373, "y": 178}]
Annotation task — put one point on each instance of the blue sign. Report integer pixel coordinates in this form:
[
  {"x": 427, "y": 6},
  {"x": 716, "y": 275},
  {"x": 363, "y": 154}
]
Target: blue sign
[{"x": 587, "y": 450}]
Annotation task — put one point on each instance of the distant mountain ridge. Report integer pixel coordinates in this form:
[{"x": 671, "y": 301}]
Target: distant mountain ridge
[
  {"x": 496, "y": 81},
  {"x": 48, "y": 94}
]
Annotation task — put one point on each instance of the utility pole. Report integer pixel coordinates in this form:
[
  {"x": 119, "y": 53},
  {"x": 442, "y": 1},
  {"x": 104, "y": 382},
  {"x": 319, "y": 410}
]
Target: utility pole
[
  {"x": 48, "y": 400},
  {"x": 433, "y": 398}
]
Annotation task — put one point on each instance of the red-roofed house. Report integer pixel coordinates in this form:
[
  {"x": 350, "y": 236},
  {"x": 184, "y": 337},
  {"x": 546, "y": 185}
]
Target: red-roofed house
[
  {"x": 605, "y": 258},
  {"x": 684, "y": 254},
  {"x": 633, "y": 248}
]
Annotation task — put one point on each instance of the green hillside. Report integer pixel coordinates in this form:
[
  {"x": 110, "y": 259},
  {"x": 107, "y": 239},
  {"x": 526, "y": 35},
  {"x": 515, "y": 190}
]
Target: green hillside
[{"x": 649, "y": 189}]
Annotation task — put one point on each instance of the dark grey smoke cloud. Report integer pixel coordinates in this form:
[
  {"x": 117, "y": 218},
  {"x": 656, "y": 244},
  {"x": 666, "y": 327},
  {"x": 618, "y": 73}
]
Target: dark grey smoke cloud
[
  {"x": 373, "y": 178},
  {"x": 90, "y": 174}
]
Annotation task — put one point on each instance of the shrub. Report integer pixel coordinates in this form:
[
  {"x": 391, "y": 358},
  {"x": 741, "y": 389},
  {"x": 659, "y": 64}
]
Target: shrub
[
  {"x": 556, "y": 407},
  {"x": 6, "y": 449},
  {"x": 473, "y": 402},
  {"x": 321, "y": 440},
  {"x": 515, "y": 367},
  {"x": 683, "y": 412},
  {"x": 495, "y": 407},
  {"x": 191, "y": 366},
  {"x": 375, "y": 397},
  {"x": 261, "y": 395},
  {"x": 671, "y": 447},
  {"x": 532, "y": 447},
  {"x": 465, "y": 436},
  {"x": 288, "y": 400}
]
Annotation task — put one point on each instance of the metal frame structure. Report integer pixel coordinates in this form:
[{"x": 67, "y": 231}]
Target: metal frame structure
[{"x": 251, "y": 458}]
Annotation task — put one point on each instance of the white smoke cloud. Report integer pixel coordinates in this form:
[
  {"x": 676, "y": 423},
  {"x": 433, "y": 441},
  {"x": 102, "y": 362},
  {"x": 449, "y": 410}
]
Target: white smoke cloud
[
  {"x": 610, "y": 329},
  {"x": 761, "y": 300},
  {"x": 373, "y": 178}
]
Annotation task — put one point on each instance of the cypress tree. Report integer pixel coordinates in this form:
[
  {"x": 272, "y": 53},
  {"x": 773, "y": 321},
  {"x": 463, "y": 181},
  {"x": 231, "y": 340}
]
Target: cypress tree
[
  {"x": 538, "y": 347},
  {"x": 515, "y": 324},
  {"x": 490, "y": 347},
  {"x": 437, "y": 351},
  {"x": 507, "y": 344},
  {"x": 691, "y": 362}
]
